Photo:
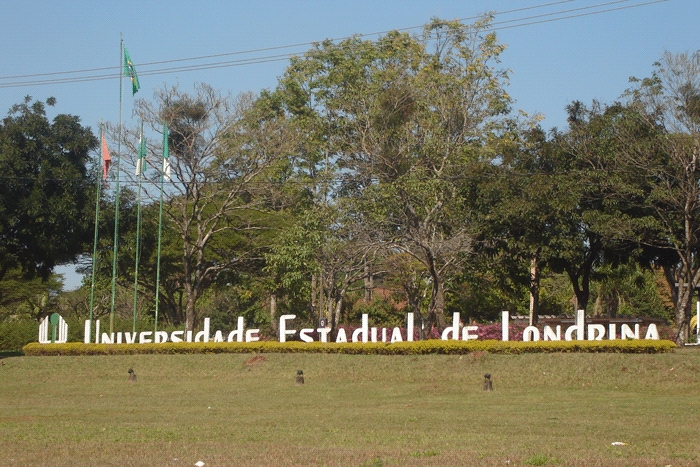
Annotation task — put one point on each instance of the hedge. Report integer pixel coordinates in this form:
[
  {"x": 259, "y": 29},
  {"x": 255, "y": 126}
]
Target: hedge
[
  {"x": 433, "y": 346},
  {"x": 16, "y": 334}
]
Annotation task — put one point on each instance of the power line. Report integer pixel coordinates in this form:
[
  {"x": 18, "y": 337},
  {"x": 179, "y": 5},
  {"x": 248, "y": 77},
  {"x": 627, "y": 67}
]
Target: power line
[
  {"x": 583, "y": 14},
  {"x": 79, "y": 79},
  {"x": 266, "y": 49},
  {"x": 499, "y": 25},
  {"x": 589, "y": 7}
]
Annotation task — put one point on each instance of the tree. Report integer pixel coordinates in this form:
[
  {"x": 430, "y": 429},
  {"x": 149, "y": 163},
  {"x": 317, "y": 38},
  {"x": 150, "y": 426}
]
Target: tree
[
  {"x": 323, "y": 251},
  {"x": 47, "y": 193},
  {"x": 220, "y": 152},
  {"x": 585, "y": 232},
  {"x": 405, "y": 119},
  {"x": 564, "y": 202},
  {"x": 22, "y": 298},
  {"x": 667, "y": 168},
  {"x": 407, "y": 277},
  {"x": 519, "y": 202}
]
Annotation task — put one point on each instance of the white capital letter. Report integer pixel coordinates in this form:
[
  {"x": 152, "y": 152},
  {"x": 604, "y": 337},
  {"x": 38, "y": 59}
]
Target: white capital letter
[{"x": 283, "y": 327}]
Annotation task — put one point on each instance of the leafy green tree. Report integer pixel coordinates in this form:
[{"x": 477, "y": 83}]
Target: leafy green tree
[
  {"x": 557, "y": 202},
  {"x": 409, "y": 280},
  {"x": 584, "y": 233},
  {"x": 630, "y": 289},
  {"x": 519, "y": 201},
  {"x": 405, "y": 118},
  {"x": 23, "y": 298},
  {"x": 666, "y": 168},
  {"x": 47, "y": 192}
]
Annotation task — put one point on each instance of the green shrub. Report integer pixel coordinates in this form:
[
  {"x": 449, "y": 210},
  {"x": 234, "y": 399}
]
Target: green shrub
[
  {"x": 381, "y": 312},
  {"x": 432, "y": 346},
  {"x": 16, "y": 334}
]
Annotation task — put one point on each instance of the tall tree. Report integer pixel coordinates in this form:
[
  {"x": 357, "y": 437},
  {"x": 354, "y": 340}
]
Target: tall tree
[
  {"x": 669, "y": 164},
  {"x": 518, "y": 203},
  {"x": 562, "y": 201},
  {"x": 582, "y": 235},
  {"x": 47, "y": 192},
  {"x": 406, "y": 118},
  {"x": 220, "y": 152}
]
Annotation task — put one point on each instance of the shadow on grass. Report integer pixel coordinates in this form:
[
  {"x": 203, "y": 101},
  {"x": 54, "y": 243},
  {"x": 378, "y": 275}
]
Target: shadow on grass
[{"x": 11, "y": 354}]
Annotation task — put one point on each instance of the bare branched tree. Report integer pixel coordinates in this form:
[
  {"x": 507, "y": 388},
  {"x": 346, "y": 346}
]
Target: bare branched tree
[{"x": 220, "y": 151}]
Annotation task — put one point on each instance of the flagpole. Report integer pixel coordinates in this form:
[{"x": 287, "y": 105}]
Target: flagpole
[
  {"x": 160, "y": 218},
  {"x": 139, "y": 173},
  {"x": 97, "y": 218},
  {"x": 116, "y": 193},
  {"x": 160, "y": 230}
]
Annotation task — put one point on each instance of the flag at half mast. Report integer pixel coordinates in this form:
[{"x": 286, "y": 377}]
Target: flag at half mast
[
  {"x": 166, "y": 153},
  {"x": 130, "y": 70},
  {"x": 106, "y": 160}
]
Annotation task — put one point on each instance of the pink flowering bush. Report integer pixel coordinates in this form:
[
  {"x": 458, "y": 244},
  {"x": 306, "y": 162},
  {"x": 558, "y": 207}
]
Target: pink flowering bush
[{"x": 494, "y": 331}]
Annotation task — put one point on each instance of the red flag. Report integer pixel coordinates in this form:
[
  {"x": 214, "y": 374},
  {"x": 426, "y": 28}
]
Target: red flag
[{"x": 106, "y": 160}]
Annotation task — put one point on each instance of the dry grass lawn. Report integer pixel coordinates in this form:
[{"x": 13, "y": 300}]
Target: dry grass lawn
[{"x": 229, "y": 410}]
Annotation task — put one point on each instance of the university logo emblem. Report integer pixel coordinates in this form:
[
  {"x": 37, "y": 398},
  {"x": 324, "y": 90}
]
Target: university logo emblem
[{"x": 59, "y": 330}]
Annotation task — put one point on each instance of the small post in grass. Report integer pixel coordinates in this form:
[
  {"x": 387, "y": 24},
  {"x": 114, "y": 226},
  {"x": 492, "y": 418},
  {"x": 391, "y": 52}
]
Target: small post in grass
[{"x": 488, "y": 386}]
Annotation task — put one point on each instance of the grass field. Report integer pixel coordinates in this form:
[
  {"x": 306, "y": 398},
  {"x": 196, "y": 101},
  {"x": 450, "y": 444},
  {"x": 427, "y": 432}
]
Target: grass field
[{"x": 226, "y": 410}]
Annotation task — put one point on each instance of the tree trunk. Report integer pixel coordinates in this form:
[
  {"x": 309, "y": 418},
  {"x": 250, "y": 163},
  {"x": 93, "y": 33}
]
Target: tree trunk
[
  {"x": 598, "y": 306},
  {"x": 436, "y": 314},
  {"x": 189, "y": 307},
  {"x": 414, "y": 306},
  {"x": 436, "y": 308},
  {"x": 534, "y": 290},
  {"x": 336, "y": 312},
  {"x": 581, "y": 286},
  {"x": 369, "y": 283},
  {"x": 314, "y": 302},
  {"x": 273, "y": 312},
  {"x": 682, "y": 293}
]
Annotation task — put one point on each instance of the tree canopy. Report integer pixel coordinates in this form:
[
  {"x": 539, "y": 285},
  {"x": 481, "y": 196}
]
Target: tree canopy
[{"x": 47, "y": 191}]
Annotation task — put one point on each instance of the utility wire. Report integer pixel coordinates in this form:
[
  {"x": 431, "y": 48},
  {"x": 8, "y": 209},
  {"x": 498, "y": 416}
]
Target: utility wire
[
  {"x": 499, "y": 25},
  {"x": 266, "y": 49},
  {"x": 79, "y": 79},
  {"x": 582, "y": 14}
]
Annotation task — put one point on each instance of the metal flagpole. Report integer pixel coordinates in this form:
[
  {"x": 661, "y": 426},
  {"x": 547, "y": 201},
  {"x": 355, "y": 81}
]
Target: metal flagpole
[
  {"x": 160, "y": 217},
  {"x": 97, "y": 218},
  {"x": 139, "y": 173},
  {"x": 116, "y": 192}
]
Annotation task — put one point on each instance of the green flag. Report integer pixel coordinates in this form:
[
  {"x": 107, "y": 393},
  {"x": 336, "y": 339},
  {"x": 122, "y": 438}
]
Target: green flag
[
  {"x": 166, "y": 153},
  {"x": 130, "y": 70},
  {"x": 141, "y": 162}
]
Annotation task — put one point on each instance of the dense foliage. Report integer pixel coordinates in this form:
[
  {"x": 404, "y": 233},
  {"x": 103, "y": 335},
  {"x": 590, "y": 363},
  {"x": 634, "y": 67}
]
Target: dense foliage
[
  {"x": 46, "y": 194},
  {"x": 380, "y": 177}
]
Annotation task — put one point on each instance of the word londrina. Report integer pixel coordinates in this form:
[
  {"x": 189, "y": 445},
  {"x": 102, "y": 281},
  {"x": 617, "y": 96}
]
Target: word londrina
[{"x": 365, "y": 333}]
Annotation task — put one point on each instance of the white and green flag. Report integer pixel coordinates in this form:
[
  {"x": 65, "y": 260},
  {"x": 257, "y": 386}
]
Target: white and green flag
[
  {"x": 166, "y": 153},
  {"x": 141, "y": 161}
]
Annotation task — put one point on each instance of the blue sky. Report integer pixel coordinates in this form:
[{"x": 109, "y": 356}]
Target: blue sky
[{"x": 552, "y": 63}]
